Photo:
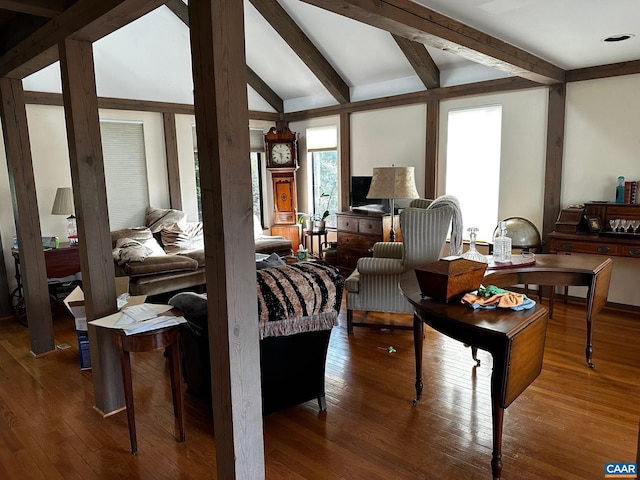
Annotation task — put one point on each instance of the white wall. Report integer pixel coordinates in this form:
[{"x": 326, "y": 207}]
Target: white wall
[
  {"x": 602, "y": 138},
  {"x": 390, "y": 136}
]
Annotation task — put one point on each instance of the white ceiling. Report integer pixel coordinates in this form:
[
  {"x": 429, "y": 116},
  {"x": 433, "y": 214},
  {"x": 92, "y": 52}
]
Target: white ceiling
[{"x": 154, "y": 50}]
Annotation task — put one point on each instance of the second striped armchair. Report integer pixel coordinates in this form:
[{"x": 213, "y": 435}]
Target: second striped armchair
[{"x": 373, "y": 285}]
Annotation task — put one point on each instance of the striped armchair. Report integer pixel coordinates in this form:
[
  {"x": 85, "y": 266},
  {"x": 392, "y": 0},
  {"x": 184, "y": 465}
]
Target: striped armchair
[{"x": 373, "y": 285}]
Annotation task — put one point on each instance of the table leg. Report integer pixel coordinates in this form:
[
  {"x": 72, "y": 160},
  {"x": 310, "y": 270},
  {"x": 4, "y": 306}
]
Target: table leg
[
  {"x": 497, "y": 416},
  {"x": 588, "y": 352},
  {"x": 496, "y": 457},
  {"x": 176, "y": 387},
  {"x": 125, "y": 364},
  {"x": 418, "y": 340}
]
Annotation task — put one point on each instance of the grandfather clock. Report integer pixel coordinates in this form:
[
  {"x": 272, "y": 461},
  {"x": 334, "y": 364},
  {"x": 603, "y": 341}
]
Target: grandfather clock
[{"x": 282, "y": 162}]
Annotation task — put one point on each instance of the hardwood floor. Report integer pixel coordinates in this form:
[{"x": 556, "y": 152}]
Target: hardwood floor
[{"x": 566, "y": 425}]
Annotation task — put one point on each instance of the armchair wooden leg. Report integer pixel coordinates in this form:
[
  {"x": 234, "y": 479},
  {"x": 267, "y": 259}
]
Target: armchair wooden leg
[{"x": 349, "y": 321}]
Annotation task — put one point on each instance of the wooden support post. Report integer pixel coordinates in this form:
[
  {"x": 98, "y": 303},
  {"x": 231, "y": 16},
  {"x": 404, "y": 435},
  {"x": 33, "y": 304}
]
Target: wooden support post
[
  {"x": 219, "y": 73},
  {"x": 90, "y": 197},
  {"x": 431, "y": 151},
  {"x": 173, "y": 167},
  {"x": 344, "y": 172},
  {"x": 554, "y": 158},
  {"x": 25, "y": 213}
]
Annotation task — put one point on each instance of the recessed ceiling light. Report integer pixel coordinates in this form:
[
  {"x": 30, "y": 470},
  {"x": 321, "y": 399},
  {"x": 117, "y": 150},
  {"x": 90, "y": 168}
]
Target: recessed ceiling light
[{"x": 621, "y": 37}]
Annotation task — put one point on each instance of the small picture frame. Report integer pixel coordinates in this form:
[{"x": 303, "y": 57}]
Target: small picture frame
[{"x": 593, "y": 223}]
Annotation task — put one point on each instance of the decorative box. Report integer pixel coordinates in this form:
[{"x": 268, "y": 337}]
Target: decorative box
[
  {"x": 449, "y": 278},
  {"x": 569, "y": 219}
]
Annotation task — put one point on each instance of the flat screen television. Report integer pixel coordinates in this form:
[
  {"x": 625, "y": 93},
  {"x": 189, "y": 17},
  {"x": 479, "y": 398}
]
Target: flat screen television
[{"x": 358, "y": 196}]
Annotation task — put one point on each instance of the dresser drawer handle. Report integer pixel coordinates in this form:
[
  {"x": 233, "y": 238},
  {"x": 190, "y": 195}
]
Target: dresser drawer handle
[
  {"x": 634, "y": 251},
  {"x": 567, "y": 246},
  {"x": 603, "y": 249}
]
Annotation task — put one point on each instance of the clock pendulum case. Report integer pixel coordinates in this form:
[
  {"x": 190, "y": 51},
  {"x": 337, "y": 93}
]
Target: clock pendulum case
[{"x": 282, "y": 161}]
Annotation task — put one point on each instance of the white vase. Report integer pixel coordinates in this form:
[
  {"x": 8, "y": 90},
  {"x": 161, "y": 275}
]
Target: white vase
[
  {"x": 308, "y": 224},
  {"x": 318, "y": 225}
]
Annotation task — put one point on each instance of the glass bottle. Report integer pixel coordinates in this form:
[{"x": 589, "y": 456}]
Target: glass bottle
[
  {"x": 620, "y": 190},
  {"x": 502, "y": 245},
  {"x": 473, "y": 253}
]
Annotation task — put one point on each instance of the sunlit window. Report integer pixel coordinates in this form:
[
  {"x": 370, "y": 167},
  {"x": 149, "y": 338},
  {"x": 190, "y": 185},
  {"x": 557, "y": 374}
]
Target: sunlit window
[
  {"x": 322, "y": 145},
  {"x": 473, "y": 165}
]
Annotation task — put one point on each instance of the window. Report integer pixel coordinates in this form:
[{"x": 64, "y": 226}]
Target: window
[
  {"x": 256, "y": 141},
  {"x": 257, "y": 148},
  {"x": 322, "y": 145},
  {"x": 125, "y": 173},
  {"x": 196, "y": 166},
  {"x": 256, "y": 185},
  {"x": 473, "y": 165}
]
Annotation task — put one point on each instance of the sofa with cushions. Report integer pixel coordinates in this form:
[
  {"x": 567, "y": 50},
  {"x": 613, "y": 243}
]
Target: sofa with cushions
[{"x": 167, "y": 254}]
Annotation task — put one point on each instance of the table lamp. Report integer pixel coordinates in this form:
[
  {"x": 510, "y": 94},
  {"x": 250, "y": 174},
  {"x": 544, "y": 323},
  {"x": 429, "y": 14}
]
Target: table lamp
[
  {"x": 63, "y": 205},
  {"x": 393, "y": 182}
]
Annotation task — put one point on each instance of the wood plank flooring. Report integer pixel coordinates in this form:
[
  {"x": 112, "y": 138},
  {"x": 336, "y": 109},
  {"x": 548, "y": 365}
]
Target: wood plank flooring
[{"x": 566, "y": 425}]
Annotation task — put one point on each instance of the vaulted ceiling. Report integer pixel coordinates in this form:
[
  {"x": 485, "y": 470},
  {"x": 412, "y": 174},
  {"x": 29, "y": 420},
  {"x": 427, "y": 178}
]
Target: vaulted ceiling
[{"x": 310, "y": 53}]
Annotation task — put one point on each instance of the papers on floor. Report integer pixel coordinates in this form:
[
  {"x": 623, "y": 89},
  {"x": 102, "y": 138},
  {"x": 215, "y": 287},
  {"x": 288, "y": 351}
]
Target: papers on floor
[{"x": 140, "y": 318}]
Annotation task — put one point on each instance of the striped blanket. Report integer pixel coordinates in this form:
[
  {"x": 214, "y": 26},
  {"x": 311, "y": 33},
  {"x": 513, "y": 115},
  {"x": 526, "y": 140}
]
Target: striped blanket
[{"x": 297, "y": 298}]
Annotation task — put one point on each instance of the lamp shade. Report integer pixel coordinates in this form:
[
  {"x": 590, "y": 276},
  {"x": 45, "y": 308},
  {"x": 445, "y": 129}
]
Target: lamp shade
[
  {"x": 63, "y": 203},
  {"x": 393, "y": 182}
]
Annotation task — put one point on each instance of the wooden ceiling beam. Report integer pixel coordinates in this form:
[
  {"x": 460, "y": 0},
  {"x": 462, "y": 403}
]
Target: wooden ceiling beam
[
  {"x": 293, "y": 35},
  {"x": 84, "y": 20},
  {"x": 264, "y": 90},
  {"x": 416, "y": 22},
  {"x": 420, "y": 60},
  {"x": 41, "y": 8},
  {"x": 604, "y": 71},
  {"x": 181, "y": 11}
]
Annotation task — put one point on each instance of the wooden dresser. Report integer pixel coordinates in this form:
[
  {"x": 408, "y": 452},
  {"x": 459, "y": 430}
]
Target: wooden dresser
[
  {"x": 606, "y": 242},
  {"x": 357, "y": 232}
]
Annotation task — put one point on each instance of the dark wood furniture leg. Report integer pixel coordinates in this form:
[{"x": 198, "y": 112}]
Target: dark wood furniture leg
[
  {"x": 418, "y": 341},
  {"x": 125, "y": 365},
  {"x": 175, "y": 368}
]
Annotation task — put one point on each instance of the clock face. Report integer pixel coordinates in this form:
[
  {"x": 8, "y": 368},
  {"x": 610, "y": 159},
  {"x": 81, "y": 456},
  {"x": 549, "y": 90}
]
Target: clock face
[{"x": 281, "y": 154}]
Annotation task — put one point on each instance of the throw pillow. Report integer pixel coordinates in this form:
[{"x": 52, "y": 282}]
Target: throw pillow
[
  {"x": 141, "y": 234},
  {"x": 159, "y": 217},
  {"x": 176, "y": 239},
  {"x": 128, "y": 250},
  {"x": 153, "y": 245}
]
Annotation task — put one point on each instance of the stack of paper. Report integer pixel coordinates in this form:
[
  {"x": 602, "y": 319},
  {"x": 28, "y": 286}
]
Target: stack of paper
[{"x": 140, "y": 318}]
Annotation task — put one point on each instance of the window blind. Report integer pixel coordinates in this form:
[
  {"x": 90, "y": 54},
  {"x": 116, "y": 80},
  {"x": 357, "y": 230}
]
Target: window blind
[
  {"x": 256, "y": 140},
  {"x": 125, "y": 171},
  {"x": 322, "y": 138}
]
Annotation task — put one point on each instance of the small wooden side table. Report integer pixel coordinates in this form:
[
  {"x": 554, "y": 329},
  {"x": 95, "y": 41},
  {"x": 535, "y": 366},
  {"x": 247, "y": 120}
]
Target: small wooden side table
[
  {"x": 307, "y": 237},
  {"x": 168, "y": 338}
]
